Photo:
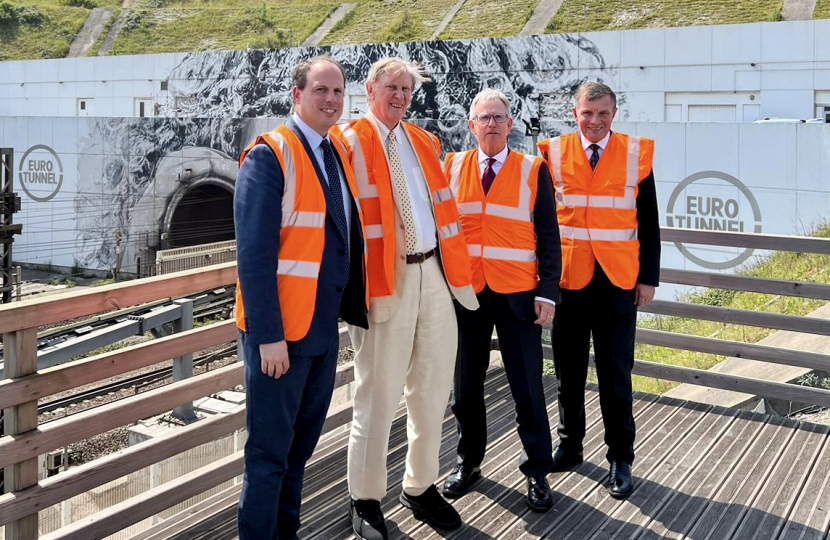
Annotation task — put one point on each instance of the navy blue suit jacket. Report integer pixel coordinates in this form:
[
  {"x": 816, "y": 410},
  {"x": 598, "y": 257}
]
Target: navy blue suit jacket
[{"x": 257, "y": 217}]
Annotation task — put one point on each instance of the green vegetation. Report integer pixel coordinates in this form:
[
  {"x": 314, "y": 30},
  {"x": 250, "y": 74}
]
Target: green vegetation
[
  {"x": 822, "y": 10},
  {"x": 93, "y": 51},
  {"x": 780, "y": 265},
  {"x": 38, "y": 29},
  {"x": 591, "y": 15},
  {"x": 190, "y": 25},
  {"x": 485, "y": 18},
  {"x": 373, "y": 21}
]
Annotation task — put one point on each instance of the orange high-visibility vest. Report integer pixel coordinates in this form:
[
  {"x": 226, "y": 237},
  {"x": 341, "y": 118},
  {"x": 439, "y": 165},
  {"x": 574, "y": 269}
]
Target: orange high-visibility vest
[
  {"x": 498, "y": 227},
  {"x": 374, "y": 185},
  {"x": 598, "y": 209},
  {"x": 302, "y": 231}
]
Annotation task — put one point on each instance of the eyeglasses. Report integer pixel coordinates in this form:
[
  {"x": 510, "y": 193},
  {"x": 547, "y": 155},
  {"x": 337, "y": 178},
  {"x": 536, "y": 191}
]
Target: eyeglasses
[{"x": 484, "y": 119}]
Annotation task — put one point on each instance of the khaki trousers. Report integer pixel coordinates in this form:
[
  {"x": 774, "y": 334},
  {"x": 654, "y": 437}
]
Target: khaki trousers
[{"x": 412, "y": 353}]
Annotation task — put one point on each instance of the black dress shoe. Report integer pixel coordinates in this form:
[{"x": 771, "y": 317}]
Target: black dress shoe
[
  {"x": 460, "y": 480},
  {"x": 620, "y": 484},
  {"x": 539, "y": 496},
  {"x": 565, "y": 461},
  {"x": 367, "y": 520},
  {"x": 431, "y": 507}
]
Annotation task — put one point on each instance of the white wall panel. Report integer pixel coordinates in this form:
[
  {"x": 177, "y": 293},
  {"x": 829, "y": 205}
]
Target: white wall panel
[
  {"x": 786, "y": 42},
  {"x": 688, "y": 79},
  {"x": 786, "y": 79},
  {"x": 775, "y": 166},
  {"x": 822, "y": 33},
  {"x": 787, "y": 103},
  {"x": 610, "y": 43},
  {"x": 736, "y": 43},
  {"x": 811, "y": 211},
  {"x": 642, "y": 107},
  {"x": 647, "y": 79},
  {"x": 689, "y": 46},
  {"x": 644, "y": 48},
  {"x": 712, "y": 147}
]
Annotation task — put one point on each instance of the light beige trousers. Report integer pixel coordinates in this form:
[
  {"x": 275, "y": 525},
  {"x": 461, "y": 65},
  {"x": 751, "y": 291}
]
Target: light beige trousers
[{"x": 412, "y": 353}]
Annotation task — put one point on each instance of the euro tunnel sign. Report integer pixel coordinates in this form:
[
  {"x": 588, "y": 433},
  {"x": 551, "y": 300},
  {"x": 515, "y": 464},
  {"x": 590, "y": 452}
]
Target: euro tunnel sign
[
  {"x": 41, "y": 173},
  {"x": 714, "y": 201}
]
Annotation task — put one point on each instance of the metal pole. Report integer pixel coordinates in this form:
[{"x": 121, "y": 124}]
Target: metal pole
[
  {"x": 183, "y": 365},
  {"x": 9, "y": 204}
]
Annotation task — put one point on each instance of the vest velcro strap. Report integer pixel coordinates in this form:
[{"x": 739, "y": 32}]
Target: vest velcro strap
[
  {"x": 509, "y": 254},
  {"x": 304, "y": 269},
  {"x": 442, "y": 195},
  {"x": 367, "y": 191},
  {"x": 315, "y": 220},
  {"x": 509, "y": 212},
  {"x": 374, "y": 231},
  {"x": 604, "y": 235},
  {"x": 448, "y": 231},
  {"x": 468, "y": 208}
]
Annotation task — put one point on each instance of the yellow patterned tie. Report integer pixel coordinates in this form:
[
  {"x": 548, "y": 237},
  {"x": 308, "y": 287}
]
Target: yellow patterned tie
[{"x": 401, "y": 193}]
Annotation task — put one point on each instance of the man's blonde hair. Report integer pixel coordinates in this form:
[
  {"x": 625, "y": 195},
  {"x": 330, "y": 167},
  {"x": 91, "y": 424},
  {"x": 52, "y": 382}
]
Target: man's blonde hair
[
  {"x": 489, "y": 94},
  {"x": 394, "y": 66},
  {"x": 593, "y": 91}
]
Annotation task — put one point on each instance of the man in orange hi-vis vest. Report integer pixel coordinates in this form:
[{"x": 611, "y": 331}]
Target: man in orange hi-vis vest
[
  {"x": 301, "y": 265},
  {"x": 607, "y": 205},
  {"x": 417, "y": 263},
  {"x": 509, "y": 221}
]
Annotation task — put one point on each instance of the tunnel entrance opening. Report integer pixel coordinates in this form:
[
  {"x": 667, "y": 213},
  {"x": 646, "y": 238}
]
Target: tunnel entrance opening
[{"x": 203, "y": 215}]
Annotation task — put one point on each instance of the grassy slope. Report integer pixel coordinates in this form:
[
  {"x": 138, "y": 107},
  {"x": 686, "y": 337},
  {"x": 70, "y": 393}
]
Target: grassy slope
[
  {"x": 781, "y": 265},
  {"x": 589, "y": 15},
  {"x": 49, "y": 38},
  {"x": 229, "y": 24},
  {"x": 373, "y": 21},
  {"x": 822, "y": 10},
  {"x": 485, "y": 18}
]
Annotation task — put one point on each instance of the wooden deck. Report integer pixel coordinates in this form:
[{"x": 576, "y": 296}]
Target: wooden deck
[{"x": 701, "y": 472}]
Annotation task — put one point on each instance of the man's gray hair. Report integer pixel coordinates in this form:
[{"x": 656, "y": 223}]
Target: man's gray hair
[
  {"x": 593, "y": 91},
  {"x": 489, "y": 94},
  {"x": 394, "y": 66}
]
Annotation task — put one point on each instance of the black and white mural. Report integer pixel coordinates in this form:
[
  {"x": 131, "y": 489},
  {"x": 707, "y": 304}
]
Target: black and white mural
[{"x": 166, "y": 182}]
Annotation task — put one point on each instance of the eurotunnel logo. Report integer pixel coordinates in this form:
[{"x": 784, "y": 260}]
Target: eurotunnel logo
[
  {"x": 41, "y": 173},
  {"x": 713, "y": 201}
]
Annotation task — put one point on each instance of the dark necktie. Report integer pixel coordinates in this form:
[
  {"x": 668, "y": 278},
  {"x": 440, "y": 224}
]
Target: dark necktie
[
  {"x": 333, "y": 174},
  {"x": 488, "y": 176},
  {"x": 594, "y": 159}
]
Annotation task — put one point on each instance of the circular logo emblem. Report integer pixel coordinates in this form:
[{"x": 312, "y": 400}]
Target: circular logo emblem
[
  {"x": 41, "y": 173},
  {"x": 713, "y": 201}
]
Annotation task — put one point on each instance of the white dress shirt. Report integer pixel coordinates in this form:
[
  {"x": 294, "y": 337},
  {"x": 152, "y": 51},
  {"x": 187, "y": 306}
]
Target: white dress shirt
[
  {"x": 416, "y": 184},
  {"x": 314, "y": 140},
  {"x": 602, "y": 144},
  {"x": 500, "y": 158}
]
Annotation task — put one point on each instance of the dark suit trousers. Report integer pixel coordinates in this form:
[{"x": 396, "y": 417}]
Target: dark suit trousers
[
  {"x": 607, "y": 313},
  {"x": 520, "y": 342},
  {"x": 285, "y": 418}
]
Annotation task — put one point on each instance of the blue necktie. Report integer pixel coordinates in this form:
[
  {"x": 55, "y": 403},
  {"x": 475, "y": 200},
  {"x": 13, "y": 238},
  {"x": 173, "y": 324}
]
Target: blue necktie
[
  {"x": 333, "y": 174},
  {"x": 594, "y": 159}
]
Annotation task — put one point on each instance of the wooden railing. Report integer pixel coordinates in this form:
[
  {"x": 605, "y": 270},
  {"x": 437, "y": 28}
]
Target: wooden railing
[{"x": 25, "y": 440}]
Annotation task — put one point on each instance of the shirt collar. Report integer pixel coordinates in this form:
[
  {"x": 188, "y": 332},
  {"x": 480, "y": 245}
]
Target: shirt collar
[
  {"x": 602, "y": 144},
  {"x": 500, "y": 157},
  {"x": 384, "y": 131},
  {"x": 314, "y": 139}
]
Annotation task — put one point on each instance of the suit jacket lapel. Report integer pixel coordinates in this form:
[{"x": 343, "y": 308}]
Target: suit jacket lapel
[{"x": 320, "y": 176}]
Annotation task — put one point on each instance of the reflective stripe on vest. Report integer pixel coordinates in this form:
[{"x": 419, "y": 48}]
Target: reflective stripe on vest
[{"x": 501, "y": 238}]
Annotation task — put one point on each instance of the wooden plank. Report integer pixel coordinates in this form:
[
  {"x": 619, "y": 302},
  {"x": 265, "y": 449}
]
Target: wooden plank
[
  {"x": 104, "y": 366},
  {"x": 685, "y": 471},
  {"x": 745, "y": 283},
  {"x": 737, "y": 383},
  {"x": 85, "y": 477},
  {"x": 119, "y": 413},
  {"x": 732, "y": 503},
  {"x": 595, "y": 504},
  {"x": 135, "y": 509},
  {"x": 777, "y": 242},
  {"x": 20, "y": 355},
  {"x": 811, "y": 518},
  {"x": 736, "y": 349},
  {"x": 684, "y": 511},
  {"x": 807, "y": 325},
  {"x": 776, "y": 501},
  {"x": 73, "y": 304}
]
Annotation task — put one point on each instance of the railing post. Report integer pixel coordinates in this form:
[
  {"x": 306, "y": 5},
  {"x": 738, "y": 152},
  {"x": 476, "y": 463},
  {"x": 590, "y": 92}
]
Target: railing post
[
  {"x": 183, "y": 365},
  {"x": 20, "y": 355}
]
